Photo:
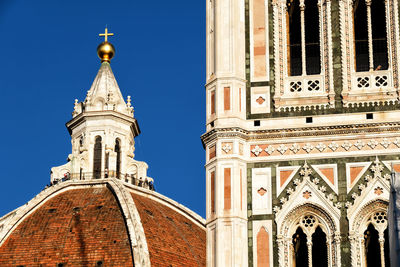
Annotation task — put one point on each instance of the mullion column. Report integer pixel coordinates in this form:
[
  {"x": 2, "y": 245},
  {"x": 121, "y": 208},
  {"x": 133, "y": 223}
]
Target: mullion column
[
  {"x": 388, "y": 23},
  {"x": 303, "y": 38},
  {"x": 309, "y": 247},
  {"x": 329, "y": 253},
  {"x": 370, "y": 44},
  {"x": 382, "y": 248},
  {"x": 322, "y": 48},
  {"x": 363, "y": 250}
]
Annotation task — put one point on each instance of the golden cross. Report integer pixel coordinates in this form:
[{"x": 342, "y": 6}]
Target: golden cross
[{"x": 106, "y": 34}]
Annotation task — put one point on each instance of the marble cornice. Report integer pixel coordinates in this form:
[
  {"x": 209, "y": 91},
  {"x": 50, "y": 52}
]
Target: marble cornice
[
  {"x": 224, "y": 78},
  {"x": 249, "y": 135},
  {"x": 107, "y": 113}
]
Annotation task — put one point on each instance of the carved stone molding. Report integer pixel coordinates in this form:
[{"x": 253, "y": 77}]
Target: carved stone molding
[{"x": 317, "y": 147}]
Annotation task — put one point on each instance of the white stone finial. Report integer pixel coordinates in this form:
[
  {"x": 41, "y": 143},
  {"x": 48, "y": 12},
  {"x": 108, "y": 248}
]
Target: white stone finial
[
  {"x": 76, "y": 108},
  {"x": 377, "y": 168},
  {"x": 306, "y": 171},
  {"x": 129, "y": 105},
  {"x": 128, "y": 101},
  {"x": 88, "y": 96}
]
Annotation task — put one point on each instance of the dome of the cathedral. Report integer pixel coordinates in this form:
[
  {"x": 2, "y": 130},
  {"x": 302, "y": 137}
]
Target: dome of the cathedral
[
  {"x": 101, "y": 223},
  {"x": 105, "y": 51},
  {"x": 94, "y": 218}
]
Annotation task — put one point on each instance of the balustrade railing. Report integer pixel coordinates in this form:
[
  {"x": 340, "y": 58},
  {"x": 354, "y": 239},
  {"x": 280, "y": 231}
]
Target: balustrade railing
[{"x": 128, "y": 178}]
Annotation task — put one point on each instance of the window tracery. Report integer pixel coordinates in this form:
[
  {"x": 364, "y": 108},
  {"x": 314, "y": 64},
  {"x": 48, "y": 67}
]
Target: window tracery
[
  {"x": 306, "y": 234},
  {"x": 369, "y": 33},
  {"x": 370, "y": 44},
  {"x": 309, "y": 243},
  {"x": 303, "y": 59},
  {"x": 374, "y": 240},
  {"x": 368, "y": 235}
]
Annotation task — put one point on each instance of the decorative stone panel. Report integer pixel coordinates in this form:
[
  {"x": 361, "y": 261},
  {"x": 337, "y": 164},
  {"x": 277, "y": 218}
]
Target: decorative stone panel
[
  {"x": 260, "y": 100},
  {"x": 261, "y": 191}
]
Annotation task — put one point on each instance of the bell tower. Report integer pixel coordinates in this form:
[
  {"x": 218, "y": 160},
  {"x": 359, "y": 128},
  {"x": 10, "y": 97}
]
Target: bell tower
[
  {"x": 302, "y": 131},
  {"x": 102, "y": 130},
  {"x": 225, "y": 168}
]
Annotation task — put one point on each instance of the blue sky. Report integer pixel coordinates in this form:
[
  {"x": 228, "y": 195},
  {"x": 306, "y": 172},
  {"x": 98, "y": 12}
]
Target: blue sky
[{"x": 48, "y": 53}]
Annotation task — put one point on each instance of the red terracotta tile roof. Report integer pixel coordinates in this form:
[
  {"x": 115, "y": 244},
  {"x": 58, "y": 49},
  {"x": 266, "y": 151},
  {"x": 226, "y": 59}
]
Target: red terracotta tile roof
[
  {"x": 172, "y": 239},
  {"x": 78, "y": 227},
  {"x": 83, "y": 226}
]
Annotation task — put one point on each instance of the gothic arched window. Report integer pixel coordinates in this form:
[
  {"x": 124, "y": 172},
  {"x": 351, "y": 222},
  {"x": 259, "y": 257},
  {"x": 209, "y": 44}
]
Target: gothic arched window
[
  {"x": 376, "y": 241},
  {"x": 300, "y": 251},
  {"x": 303, "y": 37},
  {"x": 310, "y": 244},
  {"x": 97, "y": 152},
  {"x": 370, "y": 36},
  {"x": 319, "y": 248},
  {"x": 372, "y": 249},
  {"x": 118, "y": 151}
]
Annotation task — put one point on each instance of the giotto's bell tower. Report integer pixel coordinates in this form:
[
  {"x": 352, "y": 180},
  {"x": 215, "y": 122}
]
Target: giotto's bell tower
[{"x": 302, "y": 131}]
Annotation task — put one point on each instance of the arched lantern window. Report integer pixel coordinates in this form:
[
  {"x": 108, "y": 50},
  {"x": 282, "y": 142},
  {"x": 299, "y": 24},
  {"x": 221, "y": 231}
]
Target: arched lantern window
[
  {"x": 97, "y": 155},
  {"x": 117, "y": 150}
]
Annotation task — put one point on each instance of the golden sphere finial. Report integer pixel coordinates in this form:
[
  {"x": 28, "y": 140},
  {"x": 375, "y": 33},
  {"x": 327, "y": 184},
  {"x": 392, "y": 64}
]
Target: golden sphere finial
[{"x": 106, "y": 50}]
